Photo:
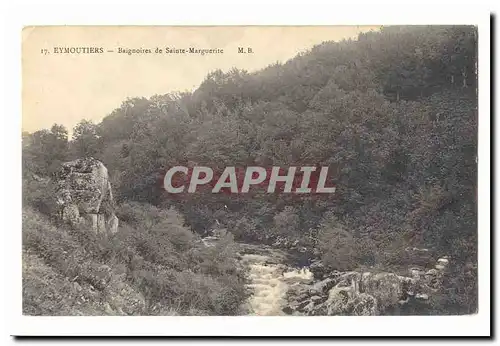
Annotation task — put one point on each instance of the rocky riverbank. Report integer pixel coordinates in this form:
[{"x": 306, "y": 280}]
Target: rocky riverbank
[
  {"x": 364, "y": 292},
  {"x": 279, "y": 288}
]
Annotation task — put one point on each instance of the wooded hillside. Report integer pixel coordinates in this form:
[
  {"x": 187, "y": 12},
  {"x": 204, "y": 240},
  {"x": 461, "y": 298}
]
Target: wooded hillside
[{"x": 395, "y": 111}]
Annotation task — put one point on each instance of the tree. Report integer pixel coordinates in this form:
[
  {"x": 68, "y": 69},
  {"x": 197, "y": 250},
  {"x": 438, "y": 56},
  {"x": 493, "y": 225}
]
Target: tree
[
  {"x": 85, "y": 139},
  {"x": 336, "y": 244},
  {"x": 44, "y": 150}
]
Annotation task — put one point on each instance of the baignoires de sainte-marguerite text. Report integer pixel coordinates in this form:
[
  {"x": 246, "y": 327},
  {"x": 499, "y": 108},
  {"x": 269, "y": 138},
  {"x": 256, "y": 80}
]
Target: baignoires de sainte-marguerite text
[
  {"x": 135, "y": 51},
  {"x": 170, "y": 50},
  {"x": 391, "y": 114}
]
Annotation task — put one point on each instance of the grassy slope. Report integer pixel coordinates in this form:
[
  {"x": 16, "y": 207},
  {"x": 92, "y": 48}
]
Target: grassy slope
[{"x": 74, "y": 272}]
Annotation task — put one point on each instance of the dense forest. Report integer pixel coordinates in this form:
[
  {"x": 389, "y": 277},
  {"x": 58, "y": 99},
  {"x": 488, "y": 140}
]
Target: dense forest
[{"x": 394, "y": 111}]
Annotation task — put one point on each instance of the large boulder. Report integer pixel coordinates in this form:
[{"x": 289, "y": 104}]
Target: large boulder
[{"x": 84, "y": 196}]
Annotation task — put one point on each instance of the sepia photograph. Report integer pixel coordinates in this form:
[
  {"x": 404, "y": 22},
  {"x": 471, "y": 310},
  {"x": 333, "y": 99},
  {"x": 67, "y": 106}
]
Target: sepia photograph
[{"x": 250, "y": 170}]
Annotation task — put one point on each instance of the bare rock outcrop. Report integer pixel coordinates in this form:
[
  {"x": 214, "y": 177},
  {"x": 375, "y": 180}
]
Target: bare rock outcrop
[
  {"x": 364, "y": 293},
  {"x": 84, "y": 195}
]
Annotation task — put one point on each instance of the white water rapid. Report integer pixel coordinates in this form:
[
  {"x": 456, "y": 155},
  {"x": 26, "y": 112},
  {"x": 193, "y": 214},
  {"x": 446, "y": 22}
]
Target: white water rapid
[{"x": 269, "y": 284}]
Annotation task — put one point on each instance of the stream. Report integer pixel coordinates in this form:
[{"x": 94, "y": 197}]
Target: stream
[{"x": 270, "y": 274}]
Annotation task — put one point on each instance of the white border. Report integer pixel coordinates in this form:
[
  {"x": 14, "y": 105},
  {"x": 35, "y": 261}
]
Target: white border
[{"x": 255, "y": 13}]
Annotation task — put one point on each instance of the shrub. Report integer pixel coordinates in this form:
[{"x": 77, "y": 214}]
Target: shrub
[
  {"x": 458, "y": 294},
  {"x": 39, "y": 193},
  {"x": 158, "y": 269},
  {"x": 336, "y": 245},
  {"x": 287, "y": 222}
]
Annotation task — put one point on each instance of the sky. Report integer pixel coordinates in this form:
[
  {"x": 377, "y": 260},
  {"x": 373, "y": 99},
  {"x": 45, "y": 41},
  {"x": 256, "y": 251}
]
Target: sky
[{"x": 66, "y": 88}]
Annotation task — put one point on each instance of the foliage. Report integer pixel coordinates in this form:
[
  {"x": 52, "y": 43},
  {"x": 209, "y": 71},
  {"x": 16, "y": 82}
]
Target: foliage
[
  {"x": 394, "y": 112},
  {"x": 336, "y": 244},
  {"x": 44, "y": 150},
  {"x": 39, "y": 193},
  {"x": 137, "y": 272},
  {"x": 85, "y": 139}
]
